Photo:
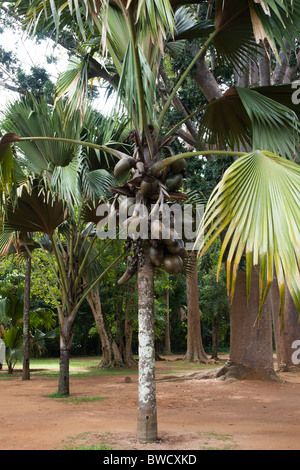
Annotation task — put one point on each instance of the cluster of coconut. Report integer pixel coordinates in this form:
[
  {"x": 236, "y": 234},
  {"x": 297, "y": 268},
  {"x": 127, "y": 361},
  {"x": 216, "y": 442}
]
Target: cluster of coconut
[
  {"x": 143, "y": 186},
  {"x": 168, "y": 253},
  {"x": 147, "y": 183}
]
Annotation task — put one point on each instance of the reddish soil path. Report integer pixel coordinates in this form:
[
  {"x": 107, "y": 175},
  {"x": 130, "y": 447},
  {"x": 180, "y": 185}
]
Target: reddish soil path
[{"x": 192, "y": 415}]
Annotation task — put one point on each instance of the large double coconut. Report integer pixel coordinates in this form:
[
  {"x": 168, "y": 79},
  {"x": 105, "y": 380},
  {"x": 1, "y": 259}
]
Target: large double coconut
[
  {"x": 167, "y": 250},
  {"x": 174, "y": 179}
]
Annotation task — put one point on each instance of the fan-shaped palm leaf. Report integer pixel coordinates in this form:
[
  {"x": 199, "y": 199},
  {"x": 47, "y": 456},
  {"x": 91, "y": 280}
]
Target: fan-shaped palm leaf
[
  {"x": 257, "y": 204},
  {"x": 59, "y": 157},
  {"x": 36, "y": 211},
  {"x": 27, "y": 117},
  {"x": 73, "y": 85},
  {"x": 247, "y": 117}
]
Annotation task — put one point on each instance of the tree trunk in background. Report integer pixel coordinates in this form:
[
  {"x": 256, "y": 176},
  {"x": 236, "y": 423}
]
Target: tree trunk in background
[
  {"x": 66, "y": 337},
  {"x": 128, "y": 325},
  {"x": 111, "y": 356},
  {"x": 124, "y": 326},
  {"x": 288, "y": 333},
  {"x": 26, "y": 319},
  {"x": 195, "y": 351},
  {"x": 129, "y": 360},
  {"x": 205, "y": 79},
  {"x": 251, "y": 351},
  {"x": 264, "y": 68},
  {"x": 167, "y": 348},
  {"x": 147, "y": 414},
  {"x": 178, "y": 104},
  {"x": 282, "y": 67},
  {"x": 215, "y": 326}
]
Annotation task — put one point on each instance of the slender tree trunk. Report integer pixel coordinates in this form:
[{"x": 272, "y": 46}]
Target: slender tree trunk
[
  {"x": 282, "y": 65},
  {"x": 288, "y": 332},
  {"x": 111, "y": 356},
  {"x": 264, "y": 68},
  {"x": 66, "y": 337},
  {"x": 26, "y": 319},
  {"x": 147, "y": 414},
  {"x": 167, "y": 349},
  {"x": 128, "y": 356},
  {"x": 251, "y": 348},
  {"x": 243, "y": 77},
  {"x": 130, "y": 312},
  {"x": 215, "y": 323},
  {"x": 195, "y": 351}
]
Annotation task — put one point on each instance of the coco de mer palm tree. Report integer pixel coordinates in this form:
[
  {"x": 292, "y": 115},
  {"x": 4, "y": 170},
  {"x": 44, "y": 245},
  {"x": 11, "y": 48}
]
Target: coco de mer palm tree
[{"x": 133, "y": 34}]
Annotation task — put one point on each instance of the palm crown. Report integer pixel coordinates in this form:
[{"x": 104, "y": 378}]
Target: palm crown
[{"x": 134, "y": 34}]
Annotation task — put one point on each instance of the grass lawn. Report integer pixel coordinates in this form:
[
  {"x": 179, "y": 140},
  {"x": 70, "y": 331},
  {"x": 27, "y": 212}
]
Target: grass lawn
[{"x": 87, "y": 366}]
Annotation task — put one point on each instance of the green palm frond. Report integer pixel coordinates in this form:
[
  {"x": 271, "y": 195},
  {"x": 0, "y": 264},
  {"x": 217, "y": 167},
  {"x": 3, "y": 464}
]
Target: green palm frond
[
  {"x": 98, "y": 181},
  {"x": 243, "y": 23},
  {"x": 275, "y": 20},
  {"x": 256, "y": 206},
  {"x": 73, "y": 85},
  {"x": 109, "y": 132},
  {"x": 64, "y": 166},
  {"x": 281, "y": 94},
  {"x": 188, "y": 26},
  {"x": 246, "y": 117},
  {"x": 91, "y": 15},
  {"x": 234, "y": 40},
  {"x": 27, "y": 118},
  {"x": 36, "y": 211},
  {"x": 274, "y": 126}
]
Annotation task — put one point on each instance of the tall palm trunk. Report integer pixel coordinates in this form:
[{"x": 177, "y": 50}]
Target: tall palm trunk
[
  {"x": 66, "y": 337},
  {"x": 147, "y": 416},
  {"x": 26, "y": 319}
]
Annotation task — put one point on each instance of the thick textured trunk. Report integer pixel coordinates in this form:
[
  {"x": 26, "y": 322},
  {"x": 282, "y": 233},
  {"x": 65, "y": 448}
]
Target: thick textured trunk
[
  {"x": 66, "y": 337},
  {"x": 282, "y": 65},
  {"x": 251, "y": 351},
  {"x": 195, "y": 351},
  {"x": 287, "y": 333},
  {"x": 264, "y": 68},
  {"x": 26, "y": 337},
  {"x": 205, "y": 79},
  {"x": 147, "y": 414}
]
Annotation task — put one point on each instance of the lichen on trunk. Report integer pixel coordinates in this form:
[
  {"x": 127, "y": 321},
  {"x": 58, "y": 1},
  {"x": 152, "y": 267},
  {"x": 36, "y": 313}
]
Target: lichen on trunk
[{"x": 147, "y": 415}]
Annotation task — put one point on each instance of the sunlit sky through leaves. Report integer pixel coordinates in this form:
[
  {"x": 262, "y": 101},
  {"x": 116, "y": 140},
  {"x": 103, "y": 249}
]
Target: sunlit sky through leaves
[{"x": 31, "y": 53}]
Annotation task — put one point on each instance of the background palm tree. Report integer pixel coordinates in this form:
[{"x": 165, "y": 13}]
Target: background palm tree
[
  {"x": 62, "y": 183},
  {"x": 133, "y": 35}
]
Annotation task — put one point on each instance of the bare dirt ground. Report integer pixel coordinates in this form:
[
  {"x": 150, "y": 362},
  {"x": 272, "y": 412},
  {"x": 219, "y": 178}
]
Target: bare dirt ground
[{"x": 192, "y": 415}]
